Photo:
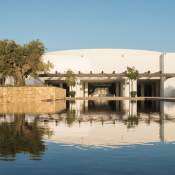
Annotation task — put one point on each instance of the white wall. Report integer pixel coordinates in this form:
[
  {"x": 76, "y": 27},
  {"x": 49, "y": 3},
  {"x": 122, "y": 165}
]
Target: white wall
[
  {"x": 169, "y": 67},
  {"x": 107, "y": 60},
  {"x": 169, "y": 63}
]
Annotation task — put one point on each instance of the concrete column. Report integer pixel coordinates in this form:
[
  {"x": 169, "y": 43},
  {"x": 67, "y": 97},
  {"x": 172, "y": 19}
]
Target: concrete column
[
  {"x": 86, "y": 89},
  {"x": 81, "y": 89},
  {"x": 162, "y": 78},
  {"x": 77, "y": 88},
  {"x": 142, "y": 89},
  {"x": 117, "y": 90},
  {"x": 126, "y": 88},
  {"x": 121, "y": 88},
  {"x": 134, "y": 85},
  {"x": 130, "y": 86},
  {"x": 157, "y": 89},
  {"x": 117, "y": 94},
  {"x": 153, "y": 89}
]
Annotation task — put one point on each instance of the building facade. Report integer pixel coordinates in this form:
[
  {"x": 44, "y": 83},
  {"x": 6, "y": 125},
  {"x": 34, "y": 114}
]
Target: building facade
[{"x": 100, "y": 72}]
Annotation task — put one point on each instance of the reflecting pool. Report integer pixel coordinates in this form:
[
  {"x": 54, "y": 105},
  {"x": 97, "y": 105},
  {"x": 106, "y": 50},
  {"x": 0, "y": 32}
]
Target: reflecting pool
[{"x": 87, "y": 137}]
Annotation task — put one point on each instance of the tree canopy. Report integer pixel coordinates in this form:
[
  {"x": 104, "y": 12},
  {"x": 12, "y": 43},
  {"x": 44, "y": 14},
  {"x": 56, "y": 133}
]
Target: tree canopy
[
  {"x": 70, "y": 78},
  {"x": 132, "y": 73},
  {"x": 21, "y": 61}
]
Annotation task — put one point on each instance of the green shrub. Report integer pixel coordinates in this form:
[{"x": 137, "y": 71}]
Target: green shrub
[
  {"x": 133, "y": 93},
  {"x": 72, "y": 93}
]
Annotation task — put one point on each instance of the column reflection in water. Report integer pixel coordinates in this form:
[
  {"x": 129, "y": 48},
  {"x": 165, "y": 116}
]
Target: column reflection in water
[
  {"x": 128, "y": 112},
  {"x": 133, "y": 121},
  {"x": 132, "y": 118},
  {"x": 153, "y": 109},
  {"x": 132, "y": 108},
  {"x": 102, "y": 109},
  {"x": 162, "y": 120}
]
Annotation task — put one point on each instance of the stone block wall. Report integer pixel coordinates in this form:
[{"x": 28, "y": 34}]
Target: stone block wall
[
  {"x": 29, "y": 94},
  {"x": 33, "y": 107}
]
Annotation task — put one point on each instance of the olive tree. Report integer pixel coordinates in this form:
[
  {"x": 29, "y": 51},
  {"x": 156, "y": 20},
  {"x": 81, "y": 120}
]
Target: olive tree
[
  {"x": 21, "y": 61},
  {"x": 132, "y": 74},
  {"x": 71, "y": 81}
]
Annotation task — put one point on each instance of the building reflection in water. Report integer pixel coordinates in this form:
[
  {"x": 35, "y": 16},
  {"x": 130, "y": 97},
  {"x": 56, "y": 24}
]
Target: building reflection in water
[
  {"x": 105, "y": 123},
  {"x": 88, "y": 123}
]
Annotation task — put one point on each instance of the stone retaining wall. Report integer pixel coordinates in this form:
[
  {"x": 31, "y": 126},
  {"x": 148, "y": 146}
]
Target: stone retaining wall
[
  {"x": 28, "y": 94},
  {"x": 33, "y": 107}
]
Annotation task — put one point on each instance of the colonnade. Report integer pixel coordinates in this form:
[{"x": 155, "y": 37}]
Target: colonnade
[{"x": 123, "y": 88}]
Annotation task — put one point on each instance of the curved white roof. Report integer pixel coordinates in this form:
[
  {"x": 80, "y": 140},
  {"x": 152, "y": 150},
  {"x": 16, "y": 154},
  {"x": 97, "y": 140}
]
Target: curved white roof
[{"x": 108, "y": 60}]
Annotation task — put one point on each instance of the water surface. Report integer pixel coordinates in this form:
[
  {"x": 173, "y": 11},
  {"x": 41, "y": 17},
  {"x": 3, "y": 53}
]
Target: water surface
[{"x": 89, "y": 137}]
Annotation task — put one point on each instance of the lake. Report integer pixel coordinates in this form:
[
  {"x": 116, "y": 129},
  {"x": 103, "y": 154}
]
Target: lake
[{"x": 88, "y": 137}]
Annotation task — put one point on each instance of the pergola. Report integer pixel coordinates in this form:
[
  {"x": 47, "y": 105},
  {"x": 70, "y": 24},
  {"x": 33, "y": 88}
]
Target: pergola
[{"x": 111, "y": 75}]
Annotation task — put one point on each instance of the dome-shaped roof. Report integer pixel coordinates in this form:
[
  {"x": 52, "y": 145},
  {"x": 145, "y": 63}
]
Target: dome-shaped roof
[{"x": 107, "y": 60}]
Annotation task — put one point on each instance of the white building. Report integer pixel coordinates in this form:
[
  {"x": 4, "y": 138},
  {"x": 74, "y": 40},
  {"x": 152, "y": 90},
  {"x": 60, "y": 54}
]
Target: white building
[{"x": 101, "y": 71}]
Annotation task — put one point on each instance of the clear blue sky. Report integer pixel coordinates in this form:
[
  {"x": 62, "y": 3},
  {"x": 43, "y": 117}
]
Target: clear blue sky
[{"x": 74, "y": 24}]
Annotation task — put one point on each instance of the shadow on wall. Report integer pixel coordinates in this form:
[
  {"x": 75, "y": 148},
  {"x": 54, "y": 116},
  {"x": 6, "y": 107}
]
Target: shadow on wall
[
  {"x": 169, "y": 91},
  {"x": 169, "y": 87},
  {"x": 33, "y": 81}
]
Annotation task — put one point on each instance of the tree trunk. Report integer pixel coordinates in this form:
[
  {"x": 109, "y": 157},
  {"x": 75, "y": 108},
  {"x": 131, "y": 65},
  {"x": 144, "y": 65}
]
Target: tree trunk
[
  {"x": 131, "y": 85},
  {"x": 19, "y": 77},
  {"x": 19, "y": 80}
]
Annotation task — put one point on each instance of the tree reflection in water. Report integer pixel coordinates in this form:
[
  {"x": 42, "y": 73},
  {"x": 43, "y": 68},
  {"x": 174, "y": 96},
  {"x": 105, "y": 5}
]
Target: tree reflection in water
[
  {"x": 20, "y": 136},
  {"x": 132, "y": 121},
  {"x": 71, "y": 117}
]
